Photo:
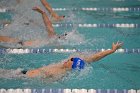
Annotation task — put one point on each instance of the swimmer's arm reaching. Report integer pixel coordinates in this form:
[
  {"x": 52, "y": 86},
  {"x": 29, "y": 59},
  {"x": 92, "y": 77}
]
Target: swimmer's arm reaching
[
  {"x": 50, "y": 10},
  {"x": 47, "y": 22},
  {"x": 102, "y": 54}
]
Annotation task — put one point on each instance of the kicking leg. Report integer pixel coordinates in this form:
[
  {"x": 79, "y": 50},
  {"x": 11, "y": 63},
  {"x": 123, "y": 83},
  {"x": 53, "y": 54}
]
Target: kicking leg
[
  {"x": 47, "y": 22},
  {"x": 54, "y": 14}
]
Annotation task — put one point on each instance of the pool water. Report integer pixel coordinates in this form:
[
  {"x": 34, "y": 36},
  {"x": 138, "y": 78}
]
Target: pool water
[{"x": 117, "y": 71}]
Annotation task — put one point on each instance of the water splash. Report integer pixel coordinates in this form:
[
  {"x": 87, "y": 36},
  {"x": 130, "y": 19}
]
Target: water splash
[
  {"x": 72, "y": 38},
  {"x": 11, "y": 74},
  {"x": 28, "y": 25},
  {"x": 8, "y": 3}
]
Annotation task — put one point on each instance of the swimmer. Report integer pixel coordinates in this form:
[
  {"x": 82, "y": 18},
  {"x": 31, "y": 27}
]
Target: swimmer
[
  {"x": 73, "y": 63},
  {"x": 48, "y": 24},
  {"x": 30, "y": 43}
]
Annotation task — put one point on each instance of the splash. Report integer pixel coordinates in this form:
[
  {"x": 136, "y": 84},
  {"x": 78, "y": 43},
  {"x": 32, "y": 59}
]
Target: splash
[
  {"x": 10, "y": 74},
  {"x": 8, "y": 3},
  {"x": 72, "y": 38},
  {"x": 28, "y": 25},
  {"x": 78, "y": 75}
]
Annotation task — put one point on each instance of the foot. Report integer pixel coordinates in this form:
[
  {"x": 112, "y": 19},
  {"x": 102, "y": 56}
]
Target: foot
[{"x": 38, "y": 9}]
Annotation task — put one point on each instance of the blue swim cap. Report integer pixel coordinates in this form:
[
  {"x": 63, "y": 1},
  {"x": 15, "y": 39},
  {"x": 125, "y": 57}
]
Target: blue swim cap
[{"x": 78, "y": 63}]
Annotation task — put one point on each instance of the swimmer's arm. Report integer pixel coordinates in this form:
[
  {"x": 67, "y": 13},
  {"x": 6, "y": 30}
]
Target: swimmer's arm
[
  {"x": 31, "y": 43},
  {"x": 8, "y": 39},
  {"x": 102, "y": 54},
  {"x": 49, "y": 8}
]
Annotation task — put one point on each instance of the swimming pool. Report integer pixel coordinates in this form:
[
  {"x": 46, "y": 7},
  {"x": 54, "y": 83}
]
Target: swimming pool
[{"x": 117, "y": 71}]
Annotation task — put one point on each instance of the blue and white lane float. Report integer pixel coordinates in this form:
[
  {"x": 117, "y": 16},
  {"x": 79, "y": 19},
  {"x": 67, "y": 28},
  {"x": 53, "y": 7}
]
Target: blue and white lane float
[
  {"x": 113, "y": 9},
  {"x": 85, "y": 25},
  {"x": 68, "y": 91},
  {"x": 45, "y": 51}
]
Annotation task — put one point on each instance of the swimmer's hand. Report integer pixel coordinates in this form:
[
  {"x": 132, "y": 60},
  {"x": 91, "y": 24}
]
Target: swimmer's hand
[{"x": 116, "y": 46}]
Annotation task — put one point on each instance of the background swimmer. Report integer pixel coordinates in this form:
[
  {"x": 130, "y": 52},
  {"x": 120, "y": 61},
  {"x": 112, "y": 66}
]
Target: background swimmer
[
  {"x": 60, "y": 69},
  {"x": 53, "y": 14},
  {"x": 48, "y": 24}
]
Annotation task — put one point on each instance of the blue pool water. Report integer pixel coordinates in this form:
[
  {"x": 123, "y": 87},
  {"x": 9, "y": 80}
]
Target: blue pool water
[{"x": 117, "y": 71}]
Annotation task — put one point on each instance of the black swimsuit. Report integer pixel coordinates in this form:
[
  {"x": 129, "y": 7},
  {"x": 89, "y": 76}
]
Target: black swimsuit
[{"x": 24, "y": 71}]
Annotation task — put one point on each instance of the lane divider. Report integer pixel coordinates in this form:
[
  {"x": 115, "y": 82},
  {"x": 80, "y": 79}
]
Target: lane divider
[
  {"x": 99, "y": 25},
  {"x": 45, "y": 51},
  {"x": 114, "y": 9},
  {"x": 68, "y": 91},
  {"x": 15, "y": 91},
  {"x": 125, "y": 0},
  {"x": 89, "y": 25}
]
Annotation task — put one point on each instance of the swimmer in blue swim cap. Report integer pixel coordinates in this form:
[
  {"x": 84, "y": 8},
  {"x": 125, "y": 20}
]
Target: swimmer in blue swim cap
[
  {"x": 72, "y": 63},
  {"x": 77, "y": 63},
  {"x": 61, "y": 68}
]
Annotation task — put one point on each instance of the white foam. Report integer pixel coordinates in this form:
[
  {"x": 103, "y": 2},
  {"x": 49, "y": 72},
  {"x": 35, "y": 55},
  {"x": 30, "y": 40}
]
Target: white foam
[
  {"x": 3, "y": 10},
  {"x": 4, "y": 73},
  {"x": 72, "y": 38},
  {"x": 24, "y": 14}
]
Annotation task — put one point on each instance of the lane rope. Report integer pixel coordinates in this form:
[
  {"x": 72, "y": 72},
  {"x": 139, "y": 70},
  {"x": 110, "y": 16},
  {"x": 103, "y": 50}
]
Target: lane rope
[
  {"x": 44, "y": 51},
  {"x": 85, "y": 25},
  {"x": 113, "y": 9},
  {"x": 68, "y": 91},
  {"x": 99, "y": 25}
]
